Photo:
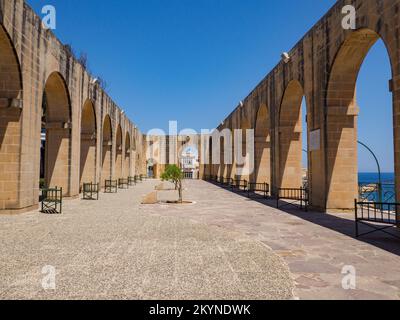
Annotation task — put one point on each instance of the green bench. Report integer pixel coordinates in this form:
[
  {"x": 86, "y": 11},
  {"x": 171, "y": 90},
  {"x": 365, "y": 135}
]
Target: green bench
[
  {"x": 52, "y": 200},
  {"x": 132, "y": 181},
  {"x": 254, "y": 187},
  {"x": 297, "y": 197},
  {"x": 110, "y": 186},
  {"x": 239, "y": 184},
  {"x": 123, "y": 184},
  {"x": 91, "y": 191}
]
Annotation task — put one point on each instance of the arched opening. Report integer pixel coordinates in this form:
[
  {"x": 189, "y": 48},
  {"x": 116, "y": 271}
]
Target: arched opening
[
  {"x": 189, "y": 162},
  {"x": 88, "y": 144},
  {"x": 134, "y": 157},
  {"x": 118, "y": 153},
  {"x": 127, "y": 160},
  {"x": 262, "y": 168},
  {"x": 221, "y": 167},
  {"x": 151, "y": 168},
  {"x": 10, "y": 123},
  {"x": 290, "y": 171},
  {"x": 107, "y": 149},
  {"x": 210, "y": 165},
  {"x": 343, "y": 111},
  {"x": 230, "y": 166},
  {"x": 56, "y": 134},
  {"x": 244, "y": 157}
]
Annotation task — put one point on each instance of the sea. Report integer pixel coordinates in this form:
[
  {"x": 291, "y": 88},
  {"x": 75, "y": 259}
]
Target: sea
[
  {"x": 368, "y": 177},
  {"x": 388, "y": 188}
]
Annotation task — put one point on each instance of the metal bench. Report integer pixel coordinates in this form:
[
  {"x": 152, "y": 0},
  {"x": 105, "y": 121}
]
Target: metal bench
[
  {"x": 123, "y": 183},
  {"x": 227, "y": 181},
  {"x": 132, "y": 181},
  {"x": 239, "y": 184},
  {"x": 52, "y": 200},
  {"x": 297, "y": 197},
  {"x": 110, "y": 186},
  {"x": 139, "y": 178},
  {"x": 378, "y": 216},
  {"x": 254, "y": 187},
  {"x": 91, "y": 191}
]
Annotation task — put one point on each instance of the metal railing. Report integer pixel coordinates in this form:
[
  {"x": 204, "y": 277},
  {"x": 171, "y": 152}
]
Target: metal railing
[
  {"x": 378, "y": 216},
  {"x": 297, "y": 197},
  {"x": 188, "y": 175},
  {"x": 254, "y": 188},
  {"x": 377, "y": 192}
]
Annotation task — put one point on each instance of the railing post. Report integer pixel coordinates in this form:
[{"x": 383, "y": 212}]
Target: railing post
[{"x": 356, "y": 215}]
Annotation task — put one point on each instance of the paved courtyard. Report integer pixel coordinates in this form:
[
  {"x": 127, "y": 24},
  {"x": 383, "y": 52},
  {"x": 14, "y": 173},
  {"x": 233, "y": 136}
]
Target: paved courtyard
[
  {"x": 223, "y": 246},
  {"x": 118, "y": 249},
  {"x": 315, "y": 246}
]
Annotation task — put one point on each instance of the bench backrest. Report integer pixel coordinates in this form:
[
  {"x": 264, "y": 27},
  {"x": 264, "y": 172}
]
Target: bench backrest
[
  {"x": 299, "y": 194},
  {"x": 387, "y": 213},
  {"x": 52, "y": 194},
  {"x": 111, "y": 183},
  {"x": 91, "y": 187},
  {"x": 257, "y": 186}
]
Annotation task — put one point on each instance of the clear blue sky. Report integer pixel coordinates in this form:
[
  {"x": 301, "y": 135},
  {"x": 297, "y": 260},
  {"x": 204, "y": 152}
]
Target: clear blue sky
[{"x": 194, "y": 60}]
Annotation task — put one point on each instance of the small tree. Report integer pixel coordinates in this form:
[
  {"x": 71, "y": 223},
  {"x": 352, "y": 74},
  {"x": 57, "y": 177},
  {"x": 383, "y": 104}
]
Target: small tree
[{"x": 173, "y": 174}]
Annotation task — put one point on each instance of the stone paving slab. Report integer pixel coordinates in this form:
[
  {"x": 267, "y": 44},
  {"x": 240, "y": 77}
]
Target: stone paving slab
[
  {"x": 118, "y": 249},
  {"x": 315, "y": 246}
]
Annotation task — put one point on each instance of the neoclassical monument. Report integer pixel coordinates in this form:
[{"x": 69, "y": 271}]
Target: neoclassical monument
[
  {"x": 44, "y": 89},
  {"x": 323, "y": 68}
]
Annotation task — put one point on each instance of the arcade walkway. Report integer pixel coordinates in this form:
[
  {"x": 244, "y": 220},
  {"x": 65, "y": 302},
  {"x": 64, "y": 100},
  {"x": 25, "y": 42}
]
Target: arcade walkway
[{"x": 223, "y": 246}]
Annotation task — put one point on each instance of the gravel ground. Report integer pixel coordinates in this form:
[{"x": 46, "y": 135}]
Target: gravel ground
[{"x": 117, "y": 248}]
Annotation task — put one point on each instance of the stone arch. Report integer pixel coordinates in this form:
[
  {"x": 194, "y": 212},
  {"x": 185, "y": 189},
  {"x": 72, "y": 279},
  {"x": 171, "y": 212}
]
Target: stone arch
[
  {"x": 10, "y": 122},
  {"x": 210, "y": 165},
  {"x": 262, "y": 149},
  {"x": 342, "y": 113},
  {"x": 242, "y": 160},
  {"x": 118, "y": 153},
  {"x": 127, "y": 153},
  {"x": 107, "y": 135},
  {"x": 290, "y": 139},
  {"x": 56, "y": 127},
  {"x": 88, "y": 143}
]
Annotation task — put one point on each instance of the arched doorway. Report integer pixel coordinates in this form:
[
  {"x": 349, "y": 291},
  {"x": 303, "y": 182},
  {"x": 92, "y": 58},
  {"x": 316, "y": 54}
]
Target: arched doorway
[
  {"x": 10, "y": 123},
  {"x": 342, "y": 120},
  {"x": 118, "y": 153},
  {"x": 151, "y": 168},
  {"x": 56, "y": 132},
  {"x": 262, "y": 168},
  {"x": 189, "y": 161},
  {"x": 88, "y": 144},
  {"x": 290, "y": 173},
  {"x": 127, "y": 161},
  {"x": 107, "y": 149}
]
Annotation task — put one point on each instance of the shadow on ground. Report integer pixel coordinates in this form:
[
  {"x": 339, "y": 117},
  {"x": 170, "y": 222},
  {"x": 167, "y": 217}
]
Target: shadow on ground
[{"x": 342, "y": 223}]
